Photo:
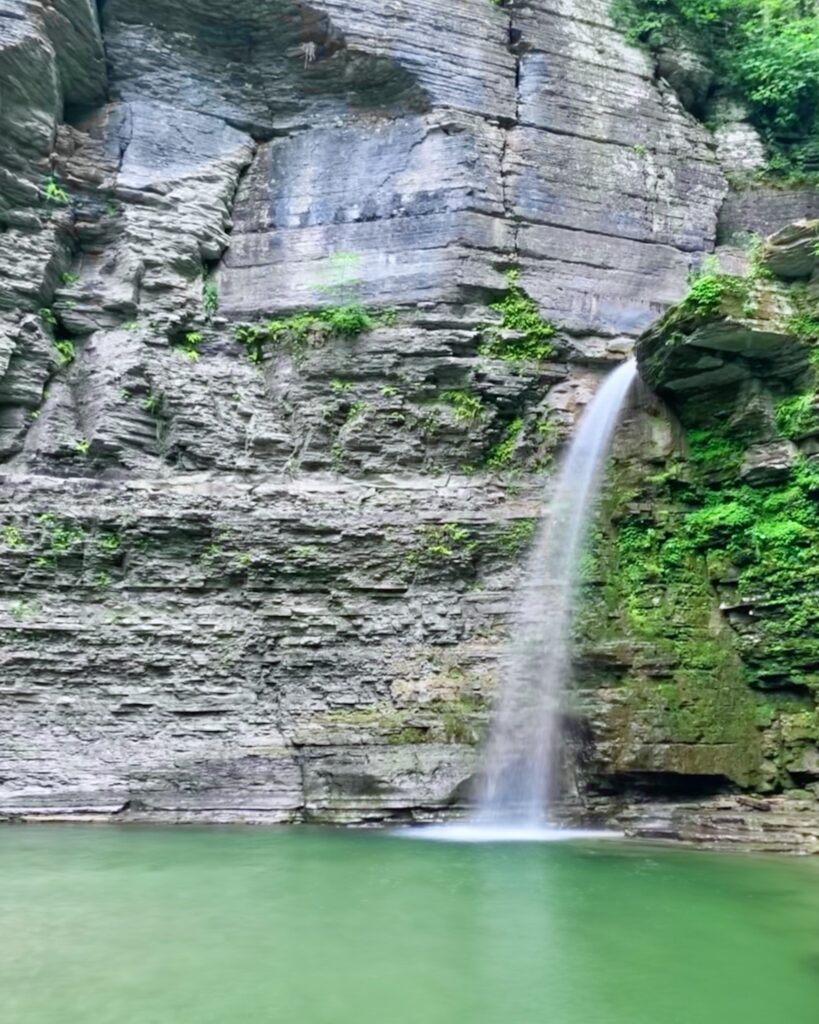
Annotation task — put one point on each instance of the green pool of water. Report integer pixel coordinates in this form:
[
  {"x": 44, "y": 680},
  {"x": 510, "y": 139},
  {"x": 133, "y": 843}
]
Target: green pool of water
[{"x": 241, "y": 926}]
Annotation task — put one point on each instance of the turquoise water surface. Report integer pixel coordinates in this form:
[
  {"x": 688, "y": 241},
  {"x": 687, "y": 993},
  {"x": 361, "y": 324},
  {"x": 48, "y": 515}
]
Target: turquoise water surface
[{"x": 129, "y": 925}]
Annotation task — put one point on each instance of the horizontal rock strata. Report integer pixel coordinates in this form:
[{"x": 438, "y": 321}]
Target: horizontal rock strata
[{"x": 272, "y": 581}]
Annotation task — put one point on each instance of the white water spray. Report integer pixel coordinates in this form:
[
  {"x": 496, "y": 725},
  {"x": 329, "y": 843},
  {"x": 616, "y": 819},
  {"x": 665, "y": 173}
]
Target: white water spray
[{"x": 521, "y": 769}]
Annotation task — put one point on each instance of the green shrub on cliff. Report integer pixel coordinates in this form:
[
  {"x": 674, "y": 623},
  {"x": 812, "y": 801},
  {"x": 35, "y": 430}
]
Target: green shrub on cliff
[
  {"x": 514, "y": 537},
  {"x": 189, "y": 345},
  {"x": 705, "y": 294},
  {"x": 468, "y": 407},
  {"x": 713, "y": 453},
  {"x": 502, "y": 453},
  {"x": 66, "y": 352},
  {"x": 347, "y": 320},
  {"x": 11, "y": 536},
  {"x": 763, "y": 538},
  {"x": 720, "y": 520},
  {"x": 708, "y": 288},
  {"x": 528, "y": 337},
  {"x": 54, "y": 193},
  {"x": 804, "y": 325},
  {"x": 210, "y": 297},
  {"x": 443, "y": 543},
  {"x": 298, "y": 332},
  {"x": 797, "y": 416},
  {"x": 764, "y": 51}
]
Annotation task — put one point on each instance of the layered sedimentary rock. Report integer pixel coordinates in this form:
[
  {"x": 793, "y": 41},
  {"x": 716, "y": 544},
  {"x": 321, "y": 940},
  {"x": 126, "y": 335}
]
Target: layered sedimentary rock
[
  {"x": 713, "y": 557},
  {"x": 279, "y": 588}
]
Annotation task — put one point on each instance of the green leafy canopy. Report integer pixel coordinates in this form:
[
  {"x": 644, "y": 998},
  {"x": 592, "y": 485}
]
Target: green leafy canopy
[{"x": 766, "y": 52}]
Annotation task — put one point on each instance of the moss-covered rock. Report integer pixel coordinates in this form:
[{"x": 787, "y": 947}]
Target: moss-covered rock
[{"x": 710, "y": 567}]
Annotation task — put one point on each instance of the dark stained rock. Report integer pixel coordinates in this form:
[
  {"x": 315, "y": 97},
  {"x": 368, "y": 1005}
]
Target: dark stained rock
[{"x": 687, "y": 74}]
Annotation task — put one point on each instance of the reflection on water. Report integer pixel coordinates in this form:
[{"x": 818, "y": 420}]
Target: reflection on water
[
  {"x": 483, "y": 832},
  {"x": 242, "y": 926}
]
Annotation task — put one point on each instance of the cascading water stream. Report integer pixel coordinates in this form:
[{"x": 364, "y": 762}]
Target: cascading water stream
[{"x": 521, "y": 770}]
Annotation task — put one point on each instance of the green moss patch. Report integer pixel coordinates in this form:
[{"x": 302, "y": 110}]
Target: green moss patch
[
  {"x": 298, "y": 332},
  {"x": 522, "y": 335}
]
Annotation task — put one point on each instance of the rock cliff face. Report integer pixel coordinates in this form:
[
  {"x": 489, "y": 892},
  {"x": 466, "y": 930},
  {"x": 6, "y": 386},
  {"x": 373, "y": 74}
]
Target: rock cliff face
[
  {"x": 270, "y": 580},
  {"x": 713, "y": 557}
]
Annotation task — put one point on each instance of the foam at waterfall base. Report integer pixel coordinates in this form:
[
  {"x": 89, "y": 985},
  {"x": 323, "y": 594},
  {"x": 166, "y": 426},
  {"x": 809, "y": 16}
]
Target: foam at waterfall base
[{"x": 484, "y": 832}]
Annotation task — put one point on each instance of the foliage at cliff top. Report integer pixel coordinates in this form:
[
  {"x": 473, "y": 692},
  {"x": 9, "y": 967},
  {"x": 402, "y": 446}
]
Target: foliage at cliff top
[{"x": 764, "y": 51}]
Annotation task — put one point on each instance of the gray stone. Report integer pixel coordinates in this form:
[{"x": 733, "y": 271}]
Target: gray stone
[
  {"x": 769, "y": 462},
  {"x": 772, "y": 825},
  {"x": 739, "y": 148},
  {"x": 747, "y": 334},
  {"x": 224, "y": 588},
  {"x": 73, "y": 29},
  {"x": 762, "y": 211},
  {"x": 791, "y": 253}
]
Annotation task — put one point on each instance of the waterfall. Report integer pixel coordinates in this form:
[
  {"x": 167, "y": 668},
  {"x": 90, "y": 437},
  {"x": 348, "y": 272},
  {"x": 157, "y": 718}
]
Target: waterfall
[{"x": 521, "y": 767}]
